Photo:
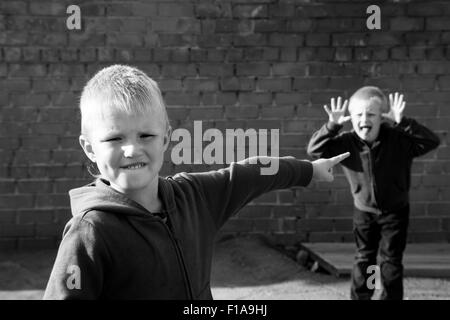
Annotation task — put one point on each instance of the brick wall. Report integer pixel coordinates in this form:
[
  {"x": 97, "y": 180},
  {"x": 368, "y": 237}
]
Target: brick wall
[{"x": 232, "y": 64}]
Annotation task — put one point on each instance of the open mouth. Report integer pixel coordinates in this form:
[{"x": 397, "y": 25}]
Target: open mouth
[
  {"x": 365, "y": 128},
  {"x": 134, "y": 166}
]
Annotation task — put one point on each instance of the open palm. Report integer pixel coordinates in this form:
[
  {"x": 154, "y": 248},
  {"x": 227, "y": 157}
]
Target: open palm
[{"x": 337, "y": 112}]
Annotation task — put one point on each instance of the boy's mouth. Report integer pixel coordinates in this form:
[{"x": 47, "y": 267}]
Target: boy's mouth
[
  {"x": 365, "y": 129},
  {"x": 134, "y": 166}
]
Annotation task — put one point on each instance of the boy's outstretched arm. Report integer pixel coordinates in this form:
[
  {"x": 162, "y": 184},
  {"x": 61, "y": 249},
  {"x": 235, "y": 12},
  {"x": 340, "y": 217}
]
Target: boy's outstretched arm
[
  {"x": 227, "y": 190},
  {"x": 419, "y": 139},
  {"x": 325, "y": 141}
]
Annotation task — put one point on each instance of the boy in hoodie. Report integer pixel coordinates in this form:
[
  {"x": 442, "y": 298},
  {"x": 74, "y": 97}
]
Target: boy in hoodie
[
  {"x": 134, "y": 234},
  {"x": 378, "y": 171}
]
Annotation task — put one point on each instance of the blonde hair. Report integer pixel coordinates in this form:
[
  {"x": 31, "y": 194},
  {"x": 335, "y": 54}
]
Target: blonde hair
[
  {"x": 122, "y": 88},
  {"x": 368, "y": 93}
]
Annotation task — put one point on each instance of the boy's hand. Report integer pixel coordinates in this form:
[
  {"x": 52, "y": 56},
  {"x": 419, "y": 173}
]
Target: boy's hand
[
  {"x": 397, "y": 105},
  {"x": 337, "y": 112},
  {"x": 323, "y": 168}
]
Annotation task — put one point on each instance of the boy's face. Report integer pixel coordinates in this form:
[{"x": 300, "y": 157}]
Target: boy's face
[
  {"x": 366, "y": 118},
  {"x": 128, "y": 150}
]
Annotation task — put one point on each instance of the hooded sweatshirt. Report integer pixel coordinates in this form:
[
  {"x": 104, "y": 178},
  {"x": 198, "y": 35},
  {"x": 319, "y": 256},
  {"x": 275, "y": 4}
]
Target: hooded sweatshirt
[
  {"x": 379, "y": 174},
  {"x": 113, "y": 248}
]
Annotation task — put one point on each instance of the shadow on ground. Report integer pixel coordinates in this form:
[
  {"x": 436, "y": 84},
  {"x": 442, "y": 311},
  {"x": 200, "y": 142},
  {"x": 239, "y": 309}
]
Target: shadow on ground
[{"x": 243, "y": 268}]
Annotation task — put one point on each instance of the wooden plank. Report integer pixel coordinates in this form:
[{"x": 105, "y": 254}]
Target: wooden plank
[{"x": 420, "y": 260}]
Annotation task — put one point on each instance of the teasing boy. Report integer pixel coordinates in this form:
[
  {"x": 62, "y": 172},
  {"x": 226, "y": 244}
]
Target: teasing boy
[{"x": 135, "y": 234}]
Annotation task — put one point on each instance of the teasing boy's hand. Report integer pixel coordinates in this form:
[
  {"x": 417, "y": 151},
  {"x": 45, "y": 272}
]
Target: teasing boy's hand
[
  {"x": 323, "y": 168},
  {"x": 397, "y": 106},
  {"x": 337, "y": 112}
]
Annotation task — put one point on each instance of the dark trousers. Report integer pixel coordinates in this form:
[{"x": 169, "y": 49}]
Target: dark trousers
[{"x": 384, "y": 234}]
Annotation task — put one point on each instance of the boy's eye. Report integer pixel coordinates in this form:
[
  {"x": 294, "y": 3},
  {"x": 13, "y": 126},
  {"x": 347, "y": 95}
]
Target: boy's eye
[
  {"x": 111, "y": 139},
  {"x": 147, "y": 135}
]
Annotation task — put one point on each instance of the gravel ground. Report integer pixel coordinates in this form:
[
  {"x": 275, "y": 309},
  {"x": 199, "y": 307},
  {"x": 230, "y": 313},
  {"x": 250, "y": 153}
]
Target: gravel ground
[{"x": 243, "y": 269}]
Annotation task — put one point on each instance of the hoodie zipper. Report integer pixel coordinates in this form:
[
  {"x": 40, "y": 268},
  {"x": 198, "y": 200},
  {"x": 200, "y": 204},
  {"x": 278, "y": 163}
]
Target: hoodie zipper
[{"x": 180, "y": 260}]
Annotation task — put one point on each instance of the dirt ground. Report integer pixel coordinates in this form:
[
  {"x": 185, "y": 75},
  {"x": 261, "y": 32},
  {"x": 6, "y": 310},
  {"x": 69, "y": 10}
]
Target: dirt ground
[{"x": 244, "y": 268}]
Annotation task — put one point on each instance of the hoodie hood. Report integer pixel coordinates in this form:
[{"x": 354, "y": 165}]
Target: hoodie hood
[{"x": 99, "y": 195}]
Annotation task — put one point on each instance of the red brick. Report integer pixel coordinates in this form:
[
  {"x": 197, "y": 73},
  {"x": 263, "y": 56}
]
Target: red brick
[
  {"x": 49, "y": 230},
  {"x": 170, "y": 85},
  {"x": 178, "y": 70},
  {"x": 12, "y": 54},
  {"x": 212, "y": 10},
  {"x": 384, "y": 39},
  {"x": 220, "y": 98},
  {"x": 255, "y": 98},
  {"x": 199, "y": 54},
  {"x": 13, "y": 7},
  {"x": 261, "y": 54},
  {"x": 289, "y": 69},
  {"x": 31, "y": 54},
  {"x": 265, "y": 25},
  {"x": 288, "y": 54},
  {"x": 306, "y": 54},
  {"x": 33, "y": 216},
  {"x": 241, "y": 112},
  {"x": 317, "y": 39},
  {"x": 215, "y": 69},
  {"x": 52, "y": 200},
  {"x": 162, "y": 54},
  {"x": 177, "y": 98},
  {"x": 7, "y": 186},
  {"x": 175, "y": 9},
  {"x": 291, "y": 98},
  {"x": 427, "y": 9},
  {"x": 34, "y": 186},
  {"x": 34, "y": 244},
  {"x": 274, "y": 84},
  {"x": 250, "y": 11},
  {"x": 20, "y": 114},
  {"x": 427, "y": 237},
  {"x": 437, "y": 24},
  {"x": 180, "y": 55},
  {"x": 199, "y": 84},
  {"x": 331, "y": 237},
  {"x": 237, "y": 84},
  {"x": 417, "y": 53},
  {"x": 50, "y": 84},
  {"x": 16, "y": 230},
  {"x": 117, "y": 40},
  {"x": 422, "y": 38},
  {"x": 293, "y": 140},
  {"x": 68, "y": 156},
  {"x": 335, "y": 25},
  {"x": 286, "y": 40},
  {"x": 9, "y": 143},
  {"x": 250, "y": 40},
  {"x": 44, "y": 142},
  {"x": 349, "y": 39},
  {"x": 316, "y": 11},
  {"x": 13, "y": 38},
  {"x": 433, "y": 68},
  {"x": 23, "y": 156},
  {"x": 343, "y": 54},
  {"x": 310, "y": 83},
  {"x": 214, "y": 41},
  {"x": 252, "y": 69},
  {"x": 300, "y": 25},
  {"x": 16, "y": 201},
  {"x": 406, "y": 24}
]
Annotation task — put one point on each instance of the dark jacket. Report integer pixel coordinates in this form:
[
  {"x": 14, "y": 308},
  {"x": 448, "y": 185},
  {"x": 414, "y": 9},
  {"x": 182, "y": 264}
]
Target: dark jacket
[
  {"x": 122, "y": 251},
  {"x": 379, "y": 175}
]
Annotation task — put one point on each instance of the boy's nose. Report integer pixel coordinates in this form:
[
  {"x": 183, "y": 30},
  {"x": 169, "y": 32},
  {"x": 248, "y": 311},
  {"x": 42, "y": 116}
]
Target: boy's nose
[{"x": 130, "y": 150}]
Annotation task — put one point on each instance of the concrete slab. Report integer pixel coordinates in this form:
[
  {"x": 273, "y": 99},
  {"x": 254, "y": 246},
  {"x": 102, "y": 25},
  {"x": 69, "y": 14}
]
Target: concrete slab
[{"x": 430, "y": 260}]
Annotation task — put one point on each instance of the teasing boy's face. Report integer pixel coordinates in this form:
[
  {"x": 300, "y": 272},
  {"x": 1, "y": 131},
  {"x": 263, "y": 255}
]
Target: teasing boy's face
[
  {"x": 366, "y": 117},
  {"x": 128, "y": 149}
]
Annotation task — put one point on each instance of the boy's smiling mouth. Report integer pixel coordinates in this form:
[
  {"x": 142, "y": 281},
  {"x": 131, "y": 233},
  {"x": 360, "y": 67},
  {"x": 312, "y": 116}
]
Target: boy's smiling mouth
[{"x": 134, "y": 166}]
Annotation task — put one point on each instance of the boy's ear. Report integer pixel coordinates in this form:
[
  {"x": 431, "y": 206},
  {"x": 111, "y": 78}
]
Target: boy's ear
[
  {"x": 87, "y": 147},
  {"x": 167, "y": 136}
]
